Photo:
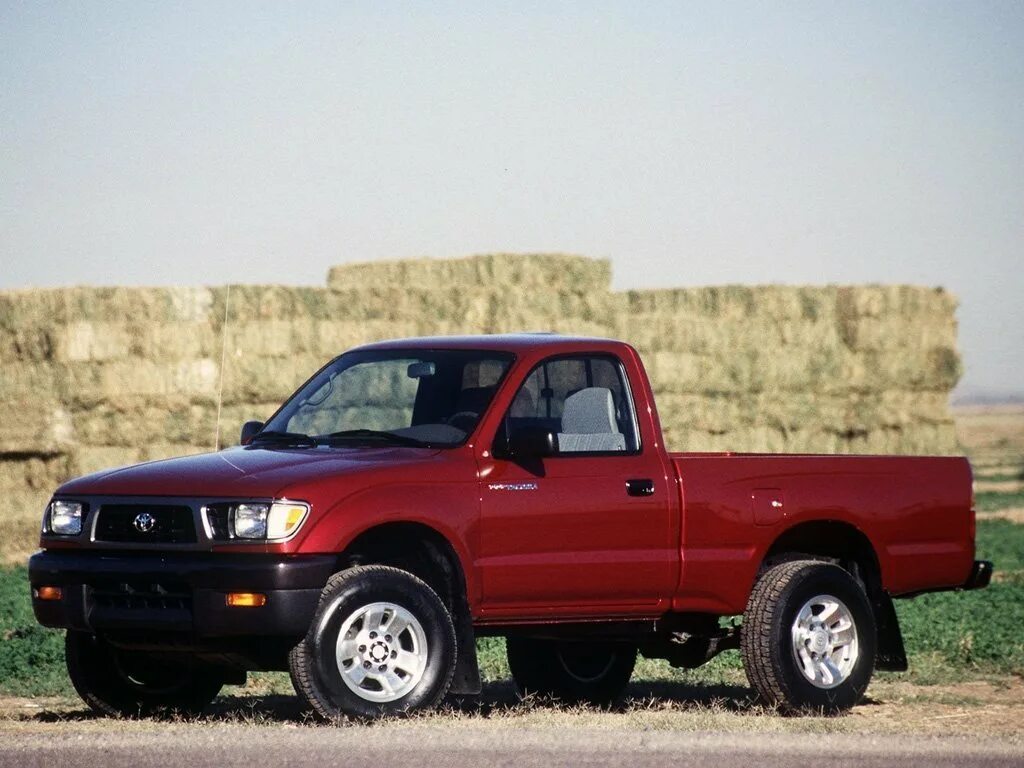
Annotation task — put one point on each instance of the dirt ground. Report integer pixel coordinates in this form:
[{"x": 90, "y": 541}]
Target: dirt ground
[
  {"x": 993, "y": 708},
  {"x": 965, "y": 725},
  {"x": 1013, "y": 514},
  {"x": 992, "y": 435}
]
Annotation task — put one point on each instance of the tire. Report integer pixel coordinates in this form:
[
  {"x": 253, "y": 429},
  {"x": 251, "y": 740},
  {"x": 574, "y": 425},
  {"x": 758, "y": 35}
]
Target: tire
[
  {"x": 806, "y": 618},
  {"x": 382, "y": 672},
  {"x": 573, "y": 673},
  {"x": 118, "y": 683}
]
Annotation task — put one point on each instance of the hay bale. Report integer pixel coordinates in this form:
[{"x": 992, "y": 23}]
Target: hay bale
[
  {"x": 336, "y": 336},
  {"x": 26, "y": 380},
  {"x": 135, "y": 421},
  {"x": 99, "y": 383},
  {"x": 269, "y": 302},
  {"x": 30, "y": 342},
  {"x": 251, "y": 379},
  {"x": 36, "y": 473},
  {"x": 88, "y": 459},
  {"x": 88, "y": 340},
  {"x": 161, "y": 450},
  {"x": 19, "y": 527},
  {"x": 511, "y": 272},
  {"x": 35, "y": 427},
  {"x": 172, "y": 341}
]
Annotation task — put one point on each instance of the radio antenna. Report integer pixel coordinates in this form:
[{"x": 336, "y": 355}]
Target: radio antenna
[{"x": 223, "y": 357}]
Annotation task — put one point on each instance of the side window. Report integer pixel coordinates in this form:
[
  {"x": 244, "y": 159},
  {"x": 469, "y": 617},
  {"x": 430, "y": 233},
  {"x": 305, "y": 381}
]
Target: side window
[{"x": 584, "y": 400}]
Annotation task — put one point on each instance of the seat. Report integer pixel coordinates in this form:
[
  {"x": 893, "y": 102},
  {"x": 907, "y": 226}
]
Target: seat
[
  {"x": 524, "y": 406},
  {"x": 588, "y": 423}
]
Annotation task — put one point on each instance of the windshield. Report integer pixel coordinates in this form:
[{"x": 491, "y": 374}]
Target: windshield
[{"x": 407, "y": 397}]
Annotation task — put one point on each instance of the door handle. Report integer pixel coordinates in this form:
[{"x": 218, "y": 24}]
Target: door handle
[{"x": 643, "y": 487}]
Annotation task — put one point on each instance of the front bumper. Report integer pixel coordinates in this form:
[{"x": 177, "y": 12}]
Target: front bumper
[
  {"x": 181, "y": 593},
  {"x": 981, "y": 575}
]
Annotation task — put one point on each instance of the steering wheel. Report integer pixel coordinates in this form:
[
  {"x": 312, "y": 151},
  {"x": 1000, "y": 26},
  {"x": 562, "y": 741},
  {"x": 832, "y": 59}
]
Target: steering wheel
[{"x": 464, "y": 420}]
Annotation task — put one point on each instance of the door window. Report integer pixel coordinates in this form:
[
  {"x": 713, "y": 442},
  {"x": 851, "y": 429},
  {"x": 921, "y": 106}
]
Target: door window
[{"x": 584, "y": 400}]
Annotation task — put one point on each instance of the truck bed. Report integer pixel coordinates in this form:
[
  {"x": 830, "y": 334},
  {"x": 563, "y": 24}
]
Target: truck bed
[{"x": 916, "y": 511}]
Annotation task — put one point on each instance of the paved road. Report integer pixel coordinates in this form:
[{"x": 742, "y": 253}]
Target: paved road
[{"x": 223, "y": 746}]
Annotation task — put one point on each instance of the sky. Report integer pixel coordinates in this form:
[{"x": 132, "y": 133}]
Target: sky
[{"x": 146, "y": 143}]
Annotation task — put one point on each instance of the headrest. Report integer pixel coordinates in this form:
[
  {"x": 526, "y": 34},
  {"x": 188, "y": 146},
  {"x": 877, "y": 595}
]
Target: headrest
[{"x": 590, "y": 411}]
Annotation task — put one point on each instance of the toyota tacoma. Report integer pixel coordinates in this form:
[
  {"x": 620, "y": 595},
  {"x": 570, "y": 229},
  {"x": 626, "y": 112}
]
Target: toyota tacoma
[{"x": 413, "y": 496}]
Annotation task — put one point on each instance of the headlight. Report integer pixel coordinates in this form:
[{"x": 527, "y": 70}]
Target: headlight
[
  {"x": 63, "y": 518},
  {"x": 268, "y": 521},
  {"x": 251, "y": 521}
]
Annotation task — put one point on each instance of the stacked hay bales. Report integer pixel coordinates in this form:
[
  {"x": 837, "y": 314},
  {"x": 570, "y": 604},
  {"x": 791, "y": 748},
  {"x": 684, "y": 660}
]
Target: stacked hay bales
[
  {"x": 822, "y": 369},
  {"x": 482, "y": 294},
  {"x": 100, "y": 377}
]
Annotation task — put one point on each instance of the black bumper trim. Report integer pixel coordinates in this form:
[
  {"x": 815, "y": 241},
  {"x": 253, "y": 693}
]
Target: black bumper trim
[
  {"x": 981, "y": 575},
  {"x": 292, "y": 584}
]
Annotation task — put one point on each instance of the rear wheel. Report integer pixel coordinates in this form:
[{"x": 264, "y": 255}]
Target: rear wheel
[
  {"x": 382, "y": 642},
  {"x": 808, "y": 638},
  {"x": 596, "y": 673},
  {"x": 122, "y": 683}
]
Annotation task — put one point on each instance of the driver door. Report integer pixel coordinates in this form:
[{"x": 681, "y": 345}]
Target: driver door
[{"x": 589, "y": 529}]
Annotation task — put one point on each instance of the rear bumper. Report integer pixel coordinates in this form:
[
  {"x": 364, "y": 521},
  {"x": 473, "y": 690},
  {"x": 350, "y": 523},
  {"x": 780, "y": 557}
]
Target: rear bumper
[
  {"x": 981, "y": 575},
  {"x": 181, "y": 593}
]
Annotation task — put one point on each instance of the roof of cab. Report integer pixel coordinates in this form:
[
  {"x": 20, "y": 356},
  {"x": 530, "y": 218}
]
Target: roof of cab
[{"x": 502, "y": 342}]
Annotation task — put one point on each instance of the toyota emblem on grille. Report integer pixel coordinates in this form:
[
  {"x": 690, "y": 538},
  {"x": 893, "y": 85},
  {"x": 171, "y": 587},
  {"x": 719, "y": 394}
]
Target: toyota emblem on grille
[{"x": 144, "y": 522}]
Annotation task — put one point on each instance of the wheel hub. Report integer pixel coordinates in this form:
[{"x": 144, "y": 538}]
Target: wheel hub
[
  {"x": 381, "y": 653},
  {"x": 824, "y": 641},
  {"x": 819, "y": 641}
]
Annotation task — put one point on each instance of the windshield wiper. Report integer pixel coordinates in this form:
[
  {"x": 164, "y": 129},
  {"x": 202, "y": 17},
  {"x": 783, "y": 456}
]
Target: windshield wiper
[
  {"x": 290, "y": 438},
  {"x": 375, "y": 434}
]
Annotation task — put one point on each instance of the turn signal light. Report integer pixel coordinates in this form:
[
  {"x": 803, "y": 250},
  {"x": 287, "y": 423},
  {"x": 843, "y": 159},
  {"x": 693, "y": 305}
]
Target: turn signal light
[
  {"x": 49, "y": 593},
  {"x": 246, "y": 599}
]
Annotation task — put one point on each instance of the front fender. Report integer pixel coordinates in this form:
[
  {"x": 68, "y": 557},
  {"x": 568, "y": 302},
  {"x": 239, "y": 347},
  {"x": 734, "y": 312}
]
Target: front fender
[{"x": 452, "y": 509}]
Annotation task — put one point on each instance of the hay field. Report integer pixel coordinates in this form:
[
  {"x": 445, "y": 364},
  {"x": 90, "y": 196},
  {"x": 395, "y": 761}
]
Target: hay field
[{"x": 994, "y": 437}]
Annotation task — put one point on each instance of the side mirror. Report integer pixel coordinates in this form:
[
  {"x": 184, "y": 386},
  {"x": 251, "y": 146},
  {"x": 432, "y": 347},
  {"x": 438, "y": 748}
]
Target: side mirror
[
  {"x": 249, "y": 430},
  {"x": 532, "y": 443}
]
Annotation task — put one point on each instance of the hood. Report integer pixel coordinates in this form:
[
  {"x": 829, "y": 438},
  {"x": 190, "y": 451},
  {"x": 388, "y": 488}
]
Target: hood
[{"x": 241, "y": 472}]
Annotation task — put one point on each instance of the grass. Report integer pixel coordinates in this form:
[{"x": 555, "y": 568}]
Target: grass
[
  {"x": 949, "y": 636},
  {"x": 1002, "y": 542},
  {"x": 31, "y": 656},
  {"x": 990, "y": 501}
]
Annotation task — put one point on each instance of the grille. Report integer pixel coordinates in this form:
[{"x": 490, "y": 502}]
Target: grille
[
  {"x": 170, "y": 524},
  {"x": 141, "y": 595}
]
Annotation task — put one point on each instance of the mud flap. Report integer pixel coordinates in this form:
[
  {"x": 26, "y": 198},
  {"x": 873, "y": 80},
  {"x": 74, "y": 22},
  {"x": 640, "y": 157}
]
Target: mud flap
[
  {"x": 891, "y": 656},
  {"x": 466, "y": 679}
]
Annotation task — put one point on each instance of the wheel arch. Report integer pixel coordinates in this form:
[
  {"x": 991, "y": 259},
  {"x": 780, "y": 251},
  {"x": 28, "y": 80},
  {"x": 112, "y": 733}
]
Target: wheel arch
[
  {"x": 832, "y": 540},
  {"x": 431, "y": 556},
  {"x": 413, "y": 546},
  {"x": 850, "y": 548}
]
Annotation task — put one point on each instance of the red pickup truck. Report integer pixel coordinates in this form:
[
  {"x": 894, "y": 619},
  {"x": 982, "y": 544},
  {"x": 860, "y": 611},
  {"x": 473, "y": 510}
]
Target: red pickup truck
[{"x": 415, "y": 495}]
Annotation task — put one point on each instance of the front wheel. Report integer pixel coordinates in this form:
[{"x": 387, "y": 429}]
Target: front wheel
[
  {"x": 381, "y": 643},
  {"x": 572, "y": 672},
  {"x": 122, "y": 683},
  {"x": 808, "y": 638}
]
